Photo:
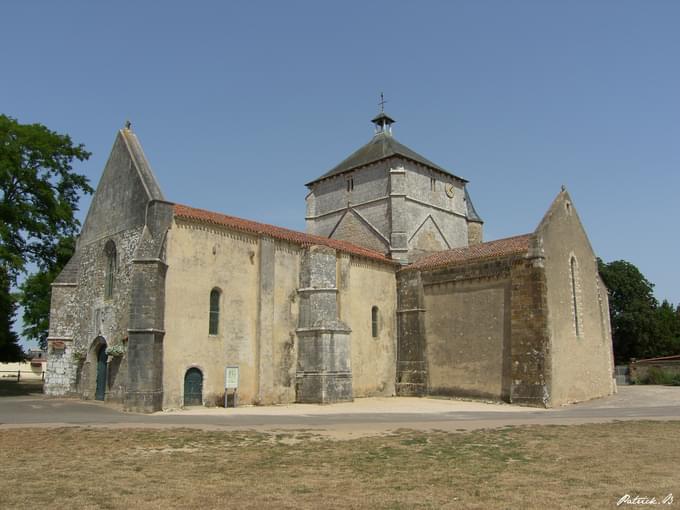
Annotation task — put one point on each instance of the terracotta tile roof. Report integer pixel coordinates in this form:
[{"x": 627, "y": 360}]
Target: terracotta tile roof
[
  {"x": 492, "y": 249},
  {"x": 674, "y": 357},
  {"x": 292, "y": 236}
]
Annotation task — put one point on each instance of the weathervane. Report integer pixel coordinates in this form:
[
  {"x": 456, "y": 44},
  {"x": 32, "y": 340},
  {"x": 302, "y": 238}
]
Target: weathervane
[{"x": 382, "y": 103}]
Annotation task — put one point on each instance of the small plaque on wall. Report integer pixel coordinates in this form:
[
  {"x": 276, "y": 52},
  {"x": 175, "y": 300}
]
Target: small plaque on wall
[{"x": 231, "y": 378}]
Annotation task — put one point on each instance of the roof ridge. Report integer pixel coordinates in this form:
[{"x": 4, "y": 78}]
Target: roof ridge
[
  {"x": 489, "y": 249},
  {"x": 286, "y": 234},
  {"x": 368, "y": 154}
]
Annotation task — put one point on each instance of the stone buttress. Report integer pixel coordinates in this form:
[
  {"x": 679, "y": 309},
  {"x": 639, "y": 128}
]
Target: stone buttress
[{"x": 324, "y": 372}]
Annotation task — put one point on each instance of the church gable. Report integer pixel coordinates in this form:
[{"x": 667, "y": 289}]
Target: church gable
[
  {"x": 427, "y": 238},
  {"x": 125, "y": 188},
  {"x": 353, "y": 226},
  {"x": 577, "y": 305}
]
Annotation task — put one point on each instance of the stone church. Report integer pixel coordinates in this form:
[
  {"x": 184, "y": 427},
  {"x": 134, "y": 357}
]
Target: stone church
[{"x": 391, "y": 291}]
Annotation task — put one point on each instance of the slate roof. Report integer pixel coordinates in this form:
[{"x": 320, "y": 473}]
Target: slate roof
[
  {"x": 382, "y": 146},
  {"x": 292, "y": 236},
  {"x": 471, "y": 212},
  {"x": 516, "y": 245},
  {"x": 69, "y": 274}
]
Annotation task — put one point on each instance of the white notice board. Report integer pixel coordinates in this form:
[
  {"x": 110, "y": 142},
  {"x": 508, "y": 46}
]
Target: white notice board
[{"x": 231, "y": 378}]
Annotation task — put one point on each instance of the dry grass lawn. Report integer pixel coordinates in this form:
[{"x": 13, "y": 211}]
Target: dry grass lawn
[{"x": 583, "y": 466}]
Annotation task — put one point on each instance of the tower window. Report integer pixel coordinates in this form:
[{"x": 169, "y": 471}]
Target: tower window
[
  {"x": 350, "y": 183},
  {"x": 213, "y": 326},
  {"x": 110, "y": 271},
  {"x": 374, "y": 321},
  {"x": 433, "y": 184}
]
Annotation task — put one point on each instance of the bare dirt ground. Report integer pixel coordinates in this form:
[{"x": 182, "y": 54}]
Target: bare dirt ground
[
  {"x": 363, "y": 417},
  {"x": 532, "y": 467},
  {"x": 393, "y": 453}
]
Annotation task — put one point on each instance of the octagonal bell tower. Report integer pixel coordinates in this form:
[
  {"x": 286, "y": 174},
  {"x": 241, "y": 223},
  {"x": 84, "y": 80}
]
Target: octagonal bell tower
[{"x": 387, "y": 197}]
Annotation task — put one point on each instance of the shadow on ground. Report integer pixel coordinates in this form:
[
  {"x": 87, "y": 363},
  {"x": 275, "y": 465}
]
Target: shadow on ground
[{"x": 18, "y": 389}]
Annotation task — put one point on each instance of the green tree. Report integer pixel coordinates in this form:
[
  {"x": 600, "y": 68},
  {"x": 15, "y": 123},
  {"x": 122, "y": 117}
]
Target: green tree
[
  {"x": 640, "y": 327},
  {"x": 9, "y": 343},
  {"x": 39, "y": 193},
  {"x": 667, "y": 330}
]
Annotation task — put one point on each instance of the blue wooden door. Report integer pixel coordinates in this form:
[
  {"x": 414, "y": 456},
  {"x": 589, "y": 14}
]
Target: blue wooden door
[
  {"x": 193, "y": 387},
  {"x": 101, "y": 374}
]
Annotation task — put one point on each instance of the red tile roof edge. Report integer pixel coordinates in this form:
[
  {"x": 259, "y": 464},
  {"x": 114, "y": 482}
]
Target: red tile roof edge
[
  {"x": 673, "y": 357},
  {"x": 292, "y": 236},
  {"x": 484, "y": 251}
]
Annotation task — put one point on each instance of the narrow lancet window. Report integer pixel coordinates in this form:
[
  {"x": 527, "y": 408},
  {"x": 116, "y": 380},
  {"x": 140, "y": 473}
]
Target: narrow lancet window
[
  {"x": 574, "y": 295},
  {"x": 110, "y": 271},
  {"x": 213, "y": 327},
  {"x": 374, "y": 321}
]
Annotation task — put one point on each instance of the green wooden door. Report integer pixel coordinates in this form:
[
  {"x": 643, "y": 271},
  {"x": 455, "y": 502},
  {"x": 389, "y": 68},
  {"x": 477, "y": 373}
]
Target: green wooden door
[
  {"x": 101, "y": 374},
  {"x": 193, "y": 387}
]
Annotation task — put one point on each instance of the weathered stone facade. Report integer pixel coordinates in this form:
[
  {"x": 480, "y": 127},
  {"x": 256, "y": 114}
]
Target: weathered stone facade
[
  {"x": 486, "y": 321},
  {"x": 392, "y": 200},
  {"x": 391, "y": 291}
]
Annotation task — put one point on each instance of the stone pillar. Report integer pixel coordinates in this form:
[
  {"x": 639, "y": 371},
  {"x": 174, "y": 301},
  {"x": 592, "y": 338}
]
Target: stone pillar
[
  {"x": 411, "y": 341},
  {"x": 398, "y": 234},
  {"x": 61, "y": 369},
  {"x": 324, "y": 372},
  {"x": 265, "y": 322},
  {"x": 145, "y": 336}
]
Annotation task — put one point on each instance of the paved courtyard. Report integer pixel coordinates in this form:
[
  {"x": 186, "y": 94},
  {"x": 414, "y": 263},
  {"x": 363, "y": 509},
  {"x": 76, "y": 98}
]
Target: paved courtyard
[{"x": 364, "y": 416}]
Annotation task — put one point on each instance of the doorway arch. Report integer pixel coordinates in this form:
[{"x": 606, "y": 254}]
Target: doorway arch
[
  {"x": 100, "y": 391},
  {"x": 193, "y": 387}
]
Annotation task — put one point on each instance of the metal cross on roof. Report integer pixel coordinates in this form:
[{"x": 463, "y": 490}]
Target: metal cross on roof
[{"x": 382, "y": 103}]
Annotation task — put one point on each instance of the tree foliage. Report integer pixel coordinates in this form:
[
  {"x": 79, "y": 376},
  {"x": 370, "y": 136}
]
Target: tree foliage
[
  {"x": 9, "y": 343},
  {"x": 641, "y": 328},
  {"x": 39, "y": 193}
]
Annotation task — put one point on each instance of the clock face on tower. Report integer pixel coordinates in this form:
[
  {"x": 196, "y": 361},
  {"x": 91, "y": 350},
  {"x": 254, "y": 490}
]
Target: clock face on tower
[{"x": 450, "y": 190}]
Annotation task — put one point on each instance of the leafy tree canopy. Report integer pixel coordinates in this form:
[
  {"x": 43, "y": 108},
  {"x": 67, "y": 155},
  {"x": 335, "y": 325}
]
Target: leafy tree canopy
[
  {"x": 9, "y": 343},
  {"x": 39, "y": 193},
  {"x": 641, "y": 328}
]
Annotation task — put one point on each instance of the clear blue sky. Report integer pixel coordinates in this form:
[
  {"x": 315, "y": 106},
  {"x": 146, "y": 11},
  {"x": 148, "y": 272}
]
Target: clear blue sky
[{"x": 238, "y": 104}]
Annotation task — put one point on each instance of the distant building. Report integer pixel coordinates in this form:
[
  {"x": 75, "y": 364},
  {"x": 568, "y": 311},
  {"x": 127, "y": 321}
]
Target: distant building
[
  {"x": 390, "y": 292},
  {"x": 32, "y": 368}
]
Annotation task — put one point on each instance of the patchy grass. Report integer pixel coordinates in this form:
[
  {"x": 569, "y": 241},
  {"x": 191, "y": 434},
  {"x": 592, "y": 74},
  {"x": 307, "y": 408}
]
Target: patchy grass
[{"x": 581, "y": 466}]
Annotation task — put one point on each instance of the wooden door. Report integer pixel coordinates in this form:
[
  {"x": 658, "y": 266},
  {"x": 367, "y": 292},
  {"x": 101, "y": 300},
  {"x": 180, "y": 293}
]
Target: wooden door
[
  {"x": 101, "y": 373},
  {"x": 193, "y": 387}
]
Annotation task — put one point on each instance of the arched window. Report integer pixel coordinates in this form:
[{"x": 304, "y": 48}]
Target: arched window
[
  {"x": 214, "y": 312},
  {"x": 374, "y": 321},
  {"x": 574, "y": 289},
  {"x": 110, "y": 272}
]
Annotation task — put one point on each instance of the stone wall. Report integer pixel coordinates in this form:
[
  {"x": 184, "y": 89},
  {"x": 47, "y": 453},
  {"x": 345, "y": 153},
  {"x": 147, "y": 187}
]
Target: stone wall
[
  {"x": 363, "y": 285},
  {"x": 475, "y": 329},
  {"x": 475, "y": 235},
  {"x": 127, "y": 211},
  {"x": 581, "y": 345},
  {"x": 202, "y": 258},
  {"x": 84, "y": 313}
]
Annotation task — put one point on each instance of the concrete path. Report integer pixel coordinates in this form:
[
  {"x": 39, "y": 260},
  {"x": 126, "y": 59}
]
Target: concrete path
[{"x": 364, "y": 416}]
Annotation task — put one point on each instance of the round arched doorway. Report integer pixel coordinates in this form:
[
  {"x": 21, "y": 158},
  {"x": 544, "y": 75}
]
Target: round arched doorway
[{"x": 193, "y": 387}]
